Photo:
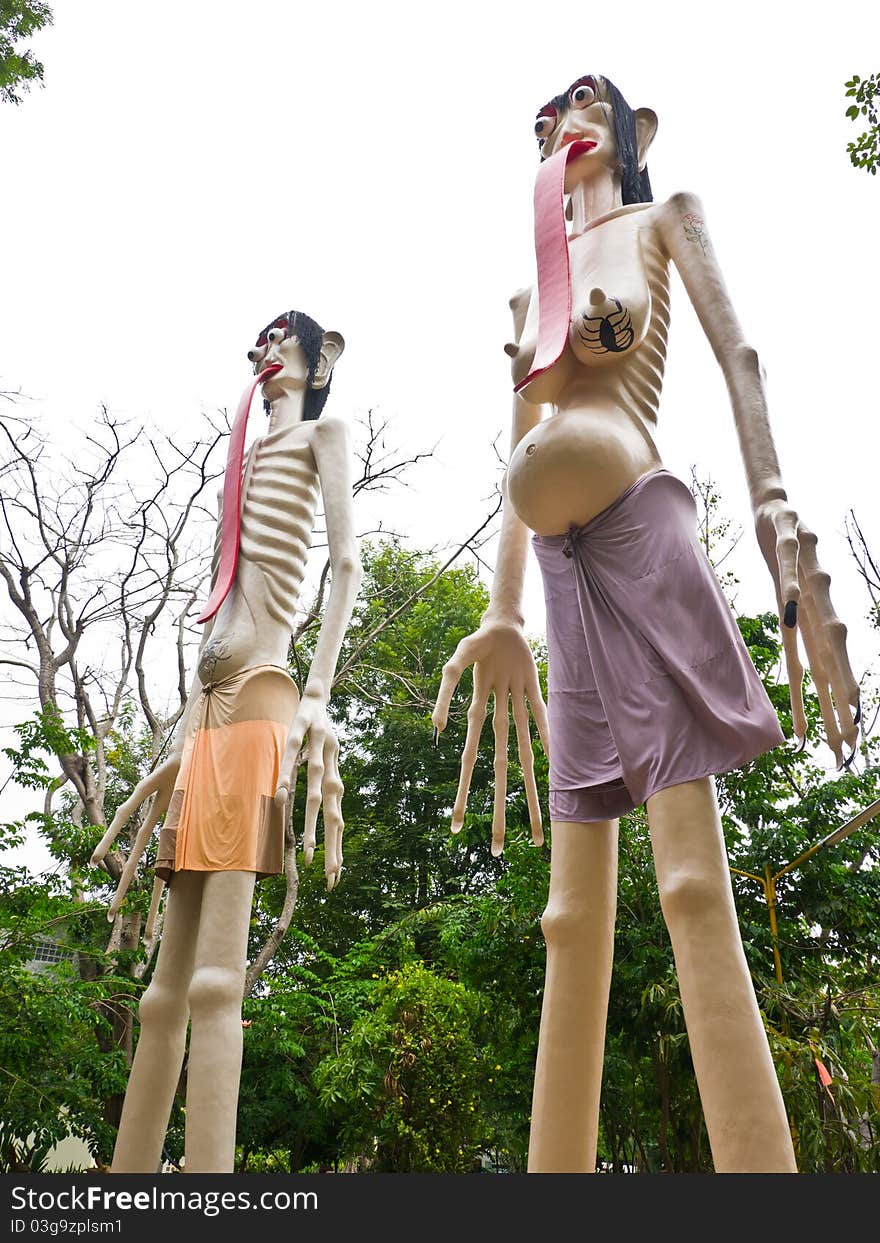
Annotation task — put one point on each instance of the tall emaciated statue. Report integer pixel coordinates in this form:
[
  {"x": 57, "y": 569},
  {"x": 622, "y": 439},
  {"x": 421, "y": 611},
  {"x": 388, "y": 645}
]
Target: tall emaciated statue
[
  {"x": 224, "y": 788},
  {"x": 651, "y": 690}
]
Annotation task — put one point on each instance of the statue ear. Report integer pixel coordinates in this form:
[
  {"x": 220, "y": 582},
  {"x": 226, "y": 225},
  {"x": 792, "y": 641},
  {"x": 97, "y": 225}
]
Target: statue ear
[
  {"x": 332, "y": 346},
  {"x": 646, "y": 128}
]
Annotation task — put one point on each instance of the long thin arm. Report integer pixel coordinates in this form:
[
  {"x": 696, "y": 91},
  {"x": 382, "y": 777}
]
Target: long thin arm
[
  {"x": 330, "y": 445},
  {"x": 788, "y": 546},
  {"x": 332, "y": 449},
  {"x": 503, "y": 662},
  {"x": 687, "y": 243},
  {"x": 506, "y": 594}
]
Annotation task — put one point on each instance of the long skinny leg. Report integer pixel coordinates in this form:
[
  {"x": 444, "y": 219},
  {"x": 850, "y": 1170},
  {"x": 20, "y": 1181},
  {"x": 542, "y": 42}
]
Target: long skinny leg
[
  {"x": 578, "y": 926},
  {"x": 215, "y": 1046},
  {"x": 742, "y": 1102},
  {"x": 164, "y": 1014}
]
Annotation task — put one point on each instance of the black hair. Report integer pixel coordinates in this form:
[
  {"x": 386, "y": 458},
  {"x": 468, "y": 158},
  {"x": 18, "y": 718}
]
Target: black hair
[
  {"x": 310, "y": 336},
  {"x": 635, "y": 186}
]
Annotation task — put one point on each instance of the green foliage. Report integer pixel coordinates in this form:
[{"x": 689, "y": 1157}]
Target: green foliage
[
  {"x": 865, "y": 151},
  {"x": 289, "y": 1029},
  {"x": 399, "y": 790},
  {"x": 54, "y": 1074},
  {"x": 406, "y": 1083},
  {"x": 19, "y": 19},
  {"x": 396, "y": 1027},
  {"x": 44, "y": 733},
  {"x": 63, "y": 1062}
]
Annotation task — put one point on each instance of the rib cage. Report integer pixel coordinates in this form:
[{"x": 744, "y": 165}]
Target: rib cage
[
  {"x": 641, "y": 372},
  {"x": 280, "y": 496}
]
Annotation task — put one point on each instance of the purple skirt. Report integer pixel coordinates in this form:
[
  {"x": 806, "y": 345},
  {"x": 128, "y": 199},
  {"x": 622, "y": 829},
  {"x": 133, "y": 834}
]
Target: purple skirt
[{"x": 649, "y": 681}]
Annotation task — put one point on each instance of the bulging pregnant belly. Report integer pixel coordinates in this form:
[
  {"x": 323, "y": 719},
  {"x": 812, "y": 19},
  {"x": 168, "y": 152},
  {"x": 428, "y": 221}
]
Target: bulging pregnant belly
[{"x": 573, "y": 465}]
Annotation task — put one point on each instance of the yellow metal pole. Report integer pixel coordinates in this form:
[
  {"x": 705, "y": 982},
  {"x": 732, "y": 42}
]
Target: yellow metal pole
[
  {"x": 872, "y": 810},
  {"x": 770, "y": 895}
]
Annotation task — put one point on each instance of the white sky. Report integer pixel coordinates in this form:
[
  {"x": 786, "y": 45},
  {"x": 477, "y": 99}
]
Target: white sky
[{"x": 191, "y": 170}]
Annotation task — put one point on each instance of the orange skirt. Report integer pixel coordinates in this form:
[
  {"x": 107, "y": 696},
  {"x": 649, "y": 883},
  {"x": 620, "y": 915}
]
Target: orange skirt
[{"x": 222, "y": 816}]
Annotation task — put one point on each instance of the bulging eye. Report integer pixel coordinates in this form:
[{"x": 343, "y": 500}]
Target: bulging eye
[
  {"x": 275, "y": 335},
  {"x": 544, "y": 126},
  {"x": 582, "y": 95},
  {"x": 256, "y": 354}
]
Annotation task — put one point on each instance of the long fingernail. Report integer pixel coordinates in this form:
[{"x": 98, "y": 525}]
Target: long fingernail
[
  {"x": 790, "y": 617},
  {"x": 858, "y": 715},
  {"x": 846, "y": 763},
  {"x": 436, "y": 736}
]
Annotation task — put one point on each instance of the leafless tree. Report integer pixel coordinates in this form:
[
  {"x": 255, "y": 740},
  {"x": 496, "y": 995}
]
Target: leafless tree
[{"x": 866, "y": 563}]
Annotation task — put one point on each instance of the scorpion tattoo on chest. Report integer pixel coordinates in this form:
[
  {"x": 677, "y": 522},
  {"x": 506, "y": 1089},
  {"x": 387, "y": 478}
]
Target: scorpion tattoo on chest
[{"x": 607, "y": 334}]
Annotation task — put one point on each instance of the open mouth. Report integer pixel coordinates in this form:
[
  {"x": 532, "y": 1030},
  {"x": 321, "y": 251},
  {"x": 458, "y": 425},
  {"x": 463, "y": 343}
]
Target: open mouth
[{"x": 590, "y": 143}]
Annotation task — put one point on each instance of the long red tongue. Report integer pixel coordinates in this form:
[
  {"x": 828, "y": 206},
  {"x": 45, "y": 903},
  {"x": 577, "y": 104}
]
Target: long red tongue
[
  {"x": 230, "y": 532},
  {"x": 551, "y": 251}
]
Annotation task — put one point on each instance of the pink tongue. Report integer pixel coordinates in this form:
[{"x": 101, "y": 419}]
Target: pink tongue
[
  {"x": 551, "y": 251},
  {"x": 230, "y": 532}
]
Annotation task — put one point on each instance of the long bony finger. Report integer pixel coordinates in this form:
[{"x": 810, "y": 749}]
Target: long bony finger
[
  {"x": 501, "y": 729},
  {"x": 539, "y": 711},
  {"x": 153, "y": 913},
  {"x": 126, "y": 810},
  {"x": 333, "y": 790},
  {"x": 315, "y": 777},
  {"x": 475, "y": 718},
  {"x": 794, "y": 669},
  {"x": 138, "y": 848},
  {"x": 527, "y": 764},
  {"x": 826, "y": 623},
  {"x": 452, "y": 671}
]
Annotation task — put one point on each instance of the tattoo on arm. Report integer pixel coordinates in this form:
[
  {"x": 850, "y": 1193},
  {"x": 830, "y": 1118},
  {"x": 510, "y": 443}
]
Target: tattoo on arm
[{"x": 695, "y": 232}]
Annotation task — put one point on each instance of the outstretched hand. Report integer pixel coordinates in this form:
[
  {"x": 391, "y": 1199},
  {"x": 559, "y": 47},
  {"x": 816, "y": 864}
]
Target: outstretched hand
[
  {"x": 804, "y": 602},
  {"x": 505, "y": 668},
  {"x": 324, "y": 783},
  {"x": 160, "y": 782}
]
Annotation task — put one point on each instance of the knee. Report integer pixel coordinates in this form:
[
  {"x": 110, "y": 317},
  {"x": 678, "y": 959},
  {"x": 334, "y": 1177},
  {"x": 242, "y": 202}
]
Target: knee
[
  {"x": 162, "y": 1006},
  {"x": 215, "y": 988},
  {"x": 689, "y": 895},
  {"x": 566, "y": 923}
]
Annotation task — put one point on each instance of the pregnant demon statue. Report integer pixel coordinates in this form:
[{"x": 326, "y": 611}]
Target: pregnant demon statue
[{"x": 651, "y": 690}]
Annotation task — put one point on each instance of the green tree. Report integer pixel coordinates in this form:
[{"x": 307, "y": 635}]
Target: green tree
[
  {"x": 399, "y": 855},
  {"x": 19, "y": 70},
  {"x": 407, "y": 1079},
  {"x": 865, "y": 151},
  {"x": 58, "y": 1061}
]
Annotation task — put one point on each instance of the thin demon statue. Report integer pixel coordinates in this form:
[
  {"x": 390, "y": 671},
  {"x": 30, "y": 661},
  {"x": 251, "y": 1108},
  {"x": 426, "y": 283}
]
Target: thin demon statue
[{"x": 224, "y": 788}]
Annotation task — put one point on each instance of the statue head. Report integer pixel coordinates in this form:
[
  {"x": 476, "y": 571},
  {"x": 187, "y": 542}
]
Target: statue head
[
  {"x": 593, "y": 109},
  {"x": 307, "y": 355}
]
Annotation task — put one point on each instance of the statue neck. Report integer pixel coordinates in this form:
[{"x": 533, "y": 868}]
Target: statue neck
[
  {"x": 592, "y": 198},
  {"x": 286, "y": 410}
]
